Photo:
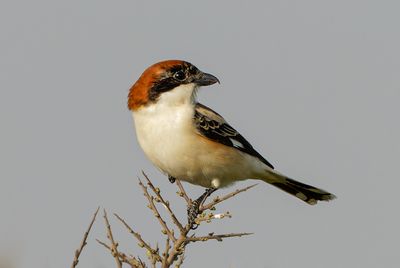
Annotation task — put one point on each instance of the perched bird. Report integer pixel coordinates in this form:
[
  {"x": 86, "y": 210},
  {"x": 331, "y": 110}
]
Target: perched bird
[{"x": 190, "y": 142}]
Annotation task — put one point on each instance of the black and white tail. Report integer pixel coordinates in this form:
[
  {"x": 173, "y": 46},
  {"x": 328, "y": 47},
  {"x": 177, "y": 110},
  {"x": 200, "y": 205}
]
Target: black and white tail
[{"x": 307, "y": 193}]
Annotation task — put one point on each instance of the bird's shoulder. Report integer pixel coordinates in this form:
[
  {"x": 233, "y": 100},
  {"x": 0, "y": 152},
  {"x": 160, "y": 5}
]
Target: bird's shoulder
[{"x": 213, "y": 126}]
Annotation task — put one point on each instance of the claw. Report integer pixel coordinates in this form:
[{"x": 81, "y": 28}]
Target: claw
[
  {"x": 171, "y": 179},
  {"x": 194, "y": 209}
]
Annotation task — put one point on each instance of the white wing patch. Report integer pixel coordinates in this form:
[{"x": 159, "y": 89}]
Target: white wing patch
[
  {"x": 212, "y": 126},
  {"x": 236, "y": 143}
]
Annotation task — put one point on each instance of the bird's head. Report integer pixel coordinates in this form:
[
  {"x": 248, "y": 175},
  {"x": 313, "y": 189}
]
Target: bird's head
[{"x": 171, "y": 81}]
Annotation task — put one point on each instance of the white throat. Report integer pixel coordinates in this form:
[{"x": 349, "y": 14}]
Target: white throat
[
  {"x": 165, "y": 128},
  {"x": 181, "y": 95}
]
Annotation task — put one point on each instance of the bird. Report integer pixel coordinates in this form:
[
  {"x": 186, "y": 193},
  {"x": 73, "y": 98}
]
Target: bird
[{"x": 190, "y": 142}]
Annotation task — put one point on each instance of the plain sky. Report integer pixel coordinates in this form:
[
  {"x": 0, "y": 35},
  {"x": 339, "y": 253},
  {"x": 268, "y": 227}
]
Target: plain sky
[{"x": 313, "y": 85}]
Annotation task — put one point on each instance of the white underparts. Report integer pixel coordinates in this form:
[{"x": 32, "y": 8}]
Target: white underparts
[{"x": 167, "y": 134}]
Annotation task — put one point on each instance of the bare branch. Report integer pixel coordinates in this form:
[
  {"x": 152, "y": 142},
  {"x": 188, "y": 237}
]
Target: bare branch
[
  {"x": 132, "y": 261},
  {"x": 218, "y": 200},
  {"x": 142, "y": 243},
  {"x": 173, "y": 253},
  {"x": 207, "y": 217},
  {"x": 182, "y": 192},
  {"x": 219, "y": 237},
  {"x": 165, "y": 203},
  {"x": 103, "y": 244},
  {"x": 166, "y": 252},
  {"x": 178, "y": 248},
  {"x": 114, "y": 250},
  {"x": 180, "y": 260},
  {"x": 83, "y": 242},
  {"x": 153, "y": 207}
]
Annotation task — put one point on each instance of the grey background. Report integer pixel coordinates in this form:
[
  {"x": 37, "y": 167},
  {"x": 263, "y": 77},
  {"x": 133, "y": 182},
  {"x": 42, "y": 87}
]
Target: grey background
[{"x": 314, "y": 85}]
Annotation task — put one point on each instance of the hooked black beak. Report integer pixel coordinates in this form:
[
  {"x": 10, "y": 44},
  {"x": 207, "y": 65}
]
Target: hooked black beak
[{"x": 205, "y": 79}]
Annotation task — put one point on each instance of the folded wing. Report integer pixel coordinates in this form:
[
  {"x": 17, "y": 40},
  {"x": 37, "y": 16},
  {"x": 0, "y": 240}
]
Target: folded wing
[{"x": 214, "y": 127}]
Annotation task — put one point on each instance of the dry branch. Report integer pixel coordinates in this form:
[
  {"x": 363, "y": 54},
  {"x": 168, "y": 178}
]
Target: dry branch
[
  {"x": 218, "y": 200},
  {"x": 182, "y": 192},
  {"x": 153, "y": 207},
  {"x": 132, "y": 261},
  {"x": 142, "y": 243},
  {"x": 156, "y": 191},
  {"x": 114, "y": 246},
  {"x": 219, "y": 237},
  {"x": 83, "y": 242},
  {"x": 175, "y": 242}
]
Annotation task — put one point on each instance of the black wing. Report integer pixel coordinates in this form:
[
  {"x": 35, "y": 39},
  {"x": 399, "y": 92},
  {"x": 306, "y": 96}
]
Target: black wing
[{"x": 213, "y": 126}]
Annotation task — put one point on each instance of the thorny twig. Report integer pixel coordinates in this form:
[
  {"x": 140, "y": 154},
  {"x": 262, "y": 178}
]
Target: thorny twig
[
  {"x": 153, "y": 207},
  {"x": 165, "y": 254},
  {"x": 83, "y": 242},
  {"x": 218, "y": 200},
  {"x": 182, "y": 192},
  {"x": 216, "y": 237},
  {"x": 165, "y": 203},
  {"x": 132, "y": 261},
  {"x": 180, "y": 260},
  {"x": 142, "y": 243},
  {"x": 207, "y": 217},
  {"x": 175, "y": 243},
  {"x": 114, "y": 250}
]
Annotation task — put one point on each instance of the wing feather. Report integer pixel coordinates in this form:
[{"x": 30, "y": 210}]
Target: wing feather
[{"x": 214, "y": 127}]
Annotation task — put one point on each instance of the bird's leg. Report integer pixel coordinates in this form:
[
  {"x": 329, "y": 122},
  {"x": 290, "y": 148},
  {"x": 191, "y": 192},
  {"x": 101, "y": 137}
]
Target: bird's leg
[
  {"x": 171, "y": 179},
  {"x": 194, "y": 208}
]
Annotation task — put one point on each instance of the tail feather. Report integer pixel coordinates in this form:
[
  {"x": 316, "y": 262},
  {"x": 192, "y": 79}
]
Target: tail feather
[{"x": 307, "y": 193}]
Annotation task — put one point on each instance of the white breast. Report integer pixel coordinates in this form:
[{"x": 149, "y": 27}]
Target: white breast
[
  {"x": 161, "y": 133},
  {"x": 166, "y": 133}
]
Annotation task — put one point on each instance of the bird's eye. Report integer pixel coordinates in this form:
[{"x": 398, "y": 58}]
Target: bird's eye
[{"x": 180, "y": 75}]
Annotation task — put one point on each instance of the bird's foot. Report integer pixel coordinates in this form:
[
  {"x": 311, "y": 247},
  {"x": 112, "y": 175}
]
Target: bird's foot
[
  {"x": 194, "y": 208},
  {"x": 171, "y": 179}
]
